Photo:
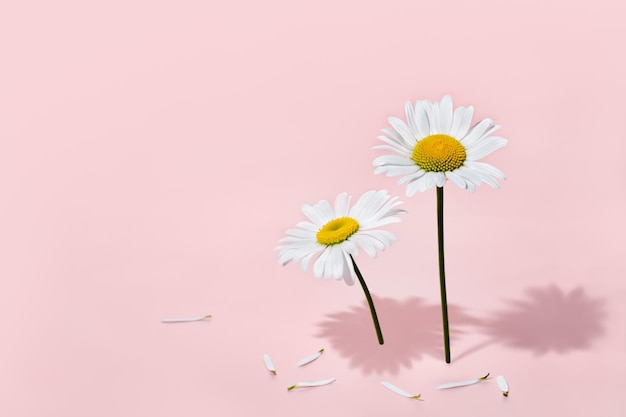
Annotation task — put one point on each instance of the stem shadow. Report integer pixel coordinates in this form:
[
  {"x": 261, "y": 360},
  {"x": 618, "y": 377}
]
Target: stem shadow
[{"x": 412, "y": 329}]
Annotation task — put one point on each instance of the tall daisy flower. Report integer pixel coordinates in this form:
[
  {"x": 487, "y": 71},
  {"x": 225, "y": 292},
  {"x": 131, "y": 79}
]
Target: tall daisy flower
[
  {"x": 334, "y": 234},
  {"x": 437, "y": 144}
]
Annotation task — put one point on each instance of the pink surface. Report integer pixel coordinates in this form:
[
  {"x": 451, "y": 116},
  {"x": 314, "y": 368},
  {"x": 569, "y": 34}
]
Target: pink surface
[{"x": 154, "y": 152}]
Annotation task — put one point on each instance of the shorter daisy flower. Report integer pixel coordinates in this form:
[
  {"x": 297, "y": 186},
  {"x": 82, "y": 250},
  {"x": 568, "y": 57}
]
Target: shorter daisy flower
[
  {"x": 334, "y": 234},
  {"x": 437, "y": 144}
]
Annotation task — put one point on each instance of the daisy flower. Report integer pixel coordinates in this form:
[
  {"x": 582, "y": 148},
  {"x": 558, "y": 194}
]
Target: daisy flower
[
  {"x": 437, "y": 144},
  {"x": 333, "y": 234}
]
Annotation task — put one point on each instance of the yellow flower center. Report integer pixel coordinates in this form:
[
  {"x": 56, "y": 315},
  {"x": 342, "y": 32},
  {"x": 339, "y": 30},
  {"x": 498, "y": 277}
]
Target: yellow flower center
[
  {"x": 439, "y": 153},
  {"x": 337, "y": 231}
]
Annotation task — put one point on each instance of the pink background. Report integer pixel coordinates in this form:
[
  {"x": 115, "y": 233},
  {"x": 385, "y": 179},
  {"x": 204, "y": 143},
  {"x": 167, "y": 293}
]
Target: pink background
[{"x": 154, "y": 152}]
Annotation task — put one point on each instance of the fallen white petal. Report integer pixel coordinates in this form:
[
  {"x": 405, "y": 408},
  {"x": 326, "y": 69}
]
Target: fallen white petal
[
  {"x": 186, "y": 319},
  {"x": 399, "y": 391},
  {"x": 310, "y": 358},
  {"x": 311, "y": 384},
  {"x": 503, "y": 385},
  {"x": 462, "y": 383},
  {"x": 269, "y": 364}
]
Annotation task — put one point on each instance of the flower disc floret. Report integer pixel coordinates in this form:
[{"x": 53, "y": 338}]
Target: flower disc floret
[
  {"x": 337, "y": 231},
  {"x": 439, "y": 153}
]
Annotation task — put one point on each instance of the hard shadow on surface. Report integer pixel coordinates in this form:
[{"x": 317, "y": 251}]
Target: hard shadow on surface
[
  {"x": 411, "y": 329},
  {"x": 547, "y": 319}
]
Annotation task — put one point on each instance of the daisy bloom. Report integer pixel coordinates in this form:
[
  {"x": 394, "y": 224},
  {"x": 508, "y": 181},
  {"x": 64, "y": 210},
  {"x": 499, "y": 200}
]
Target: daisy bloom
[
  {"x": 333, "y": 234},
  {"x": 437, "y": 144}
]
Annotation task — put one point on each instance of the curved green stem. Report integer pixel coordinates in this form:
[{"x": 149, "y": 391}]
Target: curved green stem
[
  {"x": 442, "y": 275},
  {"x": 370, "y": 302}
]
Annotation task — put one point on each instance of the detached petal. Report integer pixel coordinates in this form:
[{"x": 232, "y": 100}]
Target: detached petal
[
  {"x": 269, "y": 364},
  {"x": 462, "y": 383},
  {"x": 400, "y": 391},
  {"x": 307, "y": 384},
  {"x": 310, "y": 358},
  {"x": 186, "y": 319},
  {"x": 503, "y": 385}
]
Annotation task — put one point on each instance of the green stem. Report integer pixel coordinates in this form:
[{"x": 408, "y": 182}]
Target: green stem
[
  {"x": 442, "y": 275},
  {"x": 370, "y": 302}
]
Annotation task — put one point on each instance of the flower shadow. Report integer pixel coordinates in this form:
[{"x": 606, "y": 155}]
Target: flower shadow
[
  {"x": 411, "y": 329},
  {"x": 548, "y": 319}
]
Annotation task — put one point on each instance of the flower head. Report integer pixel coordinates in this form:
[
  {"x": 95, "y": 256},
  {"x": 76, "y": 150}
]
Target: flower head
[
  {"x": 333, "y": 234},
  {"x": 438, "y": 144}
]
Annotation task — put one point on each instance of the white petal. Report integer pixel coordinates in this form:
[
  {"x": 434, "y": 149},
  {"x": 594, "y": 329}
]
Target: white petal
[
  {"x": 392, "y": 171},
  {"x": 365, "y": 243},
  {"x": 426, "y": 182},
  {"x": 399, "y": 151},
  {"x": 186, "y": 319},
  {"x": 421, "y": 118},
  {"x": 477, "y": 131},
  {"x": 335, "y": 263},
  {"x": 304, "y": 263},
  {"x": 295, "y": 252},
  {"x": 469, "y": 175},
  {"x": 445, "y": 114},
  {"x": 399, "y": 391},
  {"x": 300, "y": 233},
  {"x": 398, "y": 145},
  {"x": 393, "y": 160},
  {"x": 325, "y": 210},
  {"x": 461, "y": 122},
  {"x": 310, "y": 358},
  {"x": 311, "y": 383},
  {"x": 488, "y": 179},
  {"x": 440, "y": 179},
  {"x": 384, "y": 220},
  {"x": 403, "y": 130},
  {"x": 412, "y": 177},
  {"x": 342, "y": 205},
  {"x": 462, "y": 383},
  {"x": 456, "y": 179},
  {"x": 314, "y": 215},
  {"x": 318, "y": 266},
  {"x": 269, "y": 364},
  {"x": 435, "y": 125},
  {"x": 295, "y": 240},
  {"x": 485, "y": 172},
  {"x": 487, "y": 168},
  {"x": 398, "y": 139},
  {"x": 410, "y": 118},
  {"x": 430, "y": 180},
  {"x": 484, "y": 147},
  {"x": 416, "y": 185},
  {"x": 380, "y": 208},
  {"x": 349, "y": 247},
  {"x": 348, "y": 271},
  {"x": 503, "y": 385},
  {"x": 366, "y": 205},
  {"x": 308, "y": 226},
  {"x": 379, "y": 238}
]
